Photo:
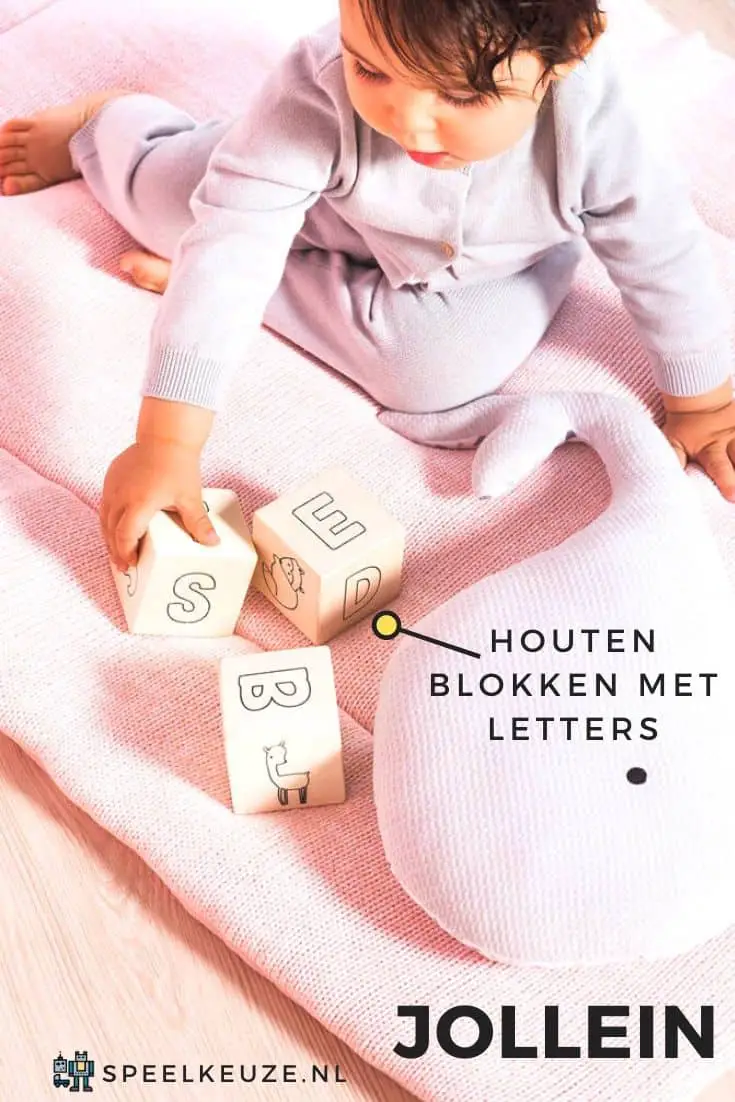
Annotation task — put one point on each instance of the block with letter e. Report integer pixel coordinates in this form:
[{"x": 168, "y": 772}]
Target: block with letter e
[
  {"x": 329, "y": 554},
  {"x": 280, "y": 721},
  {"x": 181, "y": 587}
]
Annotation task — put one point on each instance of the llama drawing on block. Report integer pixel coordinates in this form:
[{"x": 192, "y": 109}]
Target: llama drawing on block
[{"x": 275, "y": 758}]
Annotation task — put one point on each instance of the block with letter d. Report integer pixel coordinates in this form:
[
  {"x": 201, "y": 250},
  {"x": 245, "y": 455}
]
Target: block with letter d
[
  {"x": 181, "y": 587},
  {"x": 329, "y": 554},
  {"x": 281, "y": 728}
]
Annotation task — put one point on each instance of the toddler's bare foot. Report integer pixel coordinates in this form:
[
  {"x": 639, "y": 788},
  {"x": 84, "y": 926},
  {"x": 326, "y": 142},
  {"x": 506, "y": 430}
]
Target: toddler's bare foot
[
  {"x": 147, "y": 270},
  {"x": 34, "y": 151}
]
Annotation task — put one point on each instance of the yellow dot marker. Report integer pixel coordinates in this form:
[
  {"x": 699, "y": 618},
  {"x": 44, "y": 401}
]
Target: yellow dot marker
[{"x": 386, "y": 625}]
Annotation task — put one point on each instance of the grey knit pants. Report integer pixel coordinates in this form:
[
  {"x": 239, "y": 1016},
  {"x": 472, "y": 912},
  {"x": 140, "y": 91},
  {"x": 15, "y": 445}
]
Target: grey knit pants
[{"x": 410, "y": 349}]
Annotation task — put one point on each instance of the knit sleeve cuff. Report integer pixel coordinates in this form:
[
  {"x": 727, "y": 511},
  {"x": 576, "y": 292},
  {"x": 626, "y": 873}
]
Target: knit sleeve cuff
[
  {"x": 181, "y": 375},
  {"x": 686, "y": 376}
]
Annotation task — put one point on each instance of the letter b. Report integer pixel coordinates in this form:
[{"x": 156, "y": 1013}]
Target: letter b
[{"x": 288, "y": 688}]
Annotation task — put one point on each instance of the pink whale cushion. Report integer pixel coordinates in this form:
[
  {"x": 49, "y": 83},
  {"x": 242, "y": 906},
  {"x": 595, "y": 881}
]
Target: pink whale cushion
[{"x": 605, "y": 837}]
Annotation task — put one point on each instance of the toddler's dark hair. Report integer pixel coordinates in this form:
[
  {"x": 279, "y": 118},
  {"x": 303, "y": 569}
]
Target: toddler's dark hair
[{"x": 467, "y": 39}]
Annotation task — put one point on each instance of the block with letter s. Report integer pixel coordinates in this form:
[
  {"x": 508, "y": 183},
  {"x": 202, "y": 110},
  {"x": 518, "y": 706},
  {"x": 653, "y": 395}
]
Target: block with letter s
[{"x": 181, "y": 587}]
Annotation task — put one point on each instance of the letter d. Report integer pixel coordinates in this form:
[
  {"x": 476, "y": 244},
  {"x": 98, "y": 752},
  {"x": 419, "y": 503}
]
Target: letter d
[{"x": 360, "y": 588}]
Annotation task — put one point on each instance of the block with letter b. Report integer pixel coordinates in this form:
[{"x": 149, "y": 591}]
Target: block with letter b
[
  {"x": 281, "y": 728},
  {"x": 329, "y": 554},
  {"x": 181, "y": 587}
]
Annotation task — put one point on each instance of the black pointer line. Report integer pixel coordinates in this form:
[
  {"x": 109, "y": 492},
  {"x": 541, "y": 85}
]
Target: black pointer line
[
  {"x": 439, "y": 643},
  {"x": 633, "y": 776}
]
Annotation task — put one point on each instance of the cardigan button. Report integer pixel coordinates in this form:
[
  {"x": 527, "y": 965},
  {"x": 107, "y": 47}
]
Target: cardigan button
[{"x": 447, "y": 249}]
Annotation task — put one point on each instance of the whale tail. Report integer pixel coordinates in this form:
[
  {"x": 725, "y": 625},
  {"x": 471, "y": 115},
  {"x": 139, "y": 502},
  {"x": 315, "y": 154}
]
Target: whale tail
[
  {"x": 516, "y": 433},
  {"x": 525, "y": 434}
]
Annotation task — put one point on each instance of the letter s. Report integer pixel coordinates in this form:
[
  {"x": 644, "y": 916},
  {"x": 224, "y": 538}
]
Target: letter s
[{"x": 192, "y": 606}]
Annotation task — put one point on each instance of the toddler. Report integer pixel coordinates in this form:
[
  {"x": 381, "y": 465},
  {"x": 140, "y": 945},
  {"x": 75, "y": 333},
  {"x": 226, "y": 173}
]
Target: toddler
[{"x": 407, "y": 200}]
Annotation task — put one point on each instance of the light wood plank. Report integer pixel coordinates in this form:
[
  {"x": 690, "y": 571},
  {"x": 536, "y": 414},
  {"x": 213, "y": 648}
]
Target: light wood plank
[{"x": 97, "y": 952}]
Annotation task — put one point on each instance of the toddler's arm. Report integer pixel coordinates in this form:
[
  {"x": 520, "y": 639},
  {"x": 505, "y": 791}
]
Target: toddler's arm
[
  {"x": 267, "y": 171},
  {"x": 270, "y": 167},
  {"x": 641, "y": 222},
  {"x": 174, "y": 422}
]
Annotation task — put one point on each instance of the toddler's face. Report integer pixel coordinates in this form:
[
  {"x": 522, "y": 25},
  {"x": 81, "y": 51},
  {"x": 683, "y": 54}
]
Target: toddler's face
[{"x": 449, "y": 126}]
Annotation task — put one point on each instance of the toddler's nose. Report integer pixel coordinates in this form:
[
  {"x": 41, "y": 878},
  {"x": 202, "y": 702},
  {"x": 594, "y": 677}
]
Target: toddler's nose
[{"x": 414, "y": 126}]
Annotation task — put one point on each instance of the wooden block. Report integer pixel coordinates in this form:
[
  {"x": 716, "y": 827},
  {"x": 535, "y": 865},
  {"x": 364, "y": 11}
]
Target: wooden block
[
  {"x": 181, "y": 587},
  {"x": 280, "y": 721},
  {"x": 329, "y": 554}
]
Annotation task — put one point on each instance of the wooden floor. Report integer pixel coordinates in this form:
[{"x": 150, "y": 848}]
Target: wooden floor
[{"x": 95, "y": 951}]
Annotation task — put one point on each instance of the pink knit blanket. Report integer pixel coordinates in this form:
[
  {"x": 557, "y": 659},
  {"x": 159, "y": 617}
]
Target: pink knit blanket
[{"x": 129, "y": 727}]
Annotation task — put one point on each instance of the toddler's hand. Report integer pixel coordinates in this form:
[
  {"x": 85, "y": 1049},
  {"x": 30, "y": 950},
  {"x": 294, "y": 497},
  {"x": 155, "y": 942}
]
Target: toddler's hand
[
  {"x": 709, "y": 438},
  {"x": 144, "y": 478}
]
